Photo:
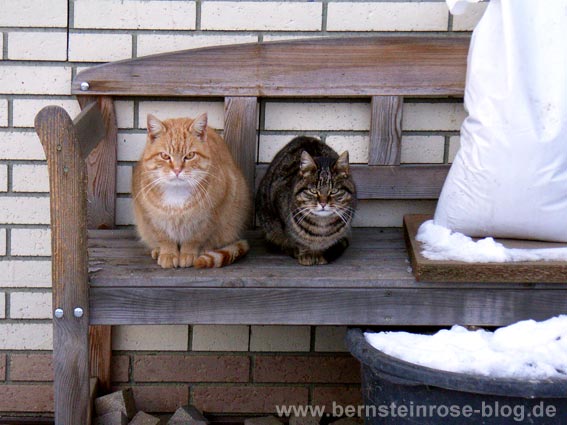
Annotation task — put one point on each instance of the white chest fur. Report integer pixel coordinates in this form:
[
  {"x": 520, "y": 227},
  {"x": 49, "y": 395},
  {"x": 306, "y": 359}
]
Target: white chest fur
[{"x": 176, "y": 195}]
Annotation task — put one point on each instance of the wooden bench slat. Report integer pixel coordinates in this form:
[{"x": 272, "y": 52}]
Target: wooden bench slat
[
  {"x": 385, "y": 130},
  {"x": 337, "y": 67}
]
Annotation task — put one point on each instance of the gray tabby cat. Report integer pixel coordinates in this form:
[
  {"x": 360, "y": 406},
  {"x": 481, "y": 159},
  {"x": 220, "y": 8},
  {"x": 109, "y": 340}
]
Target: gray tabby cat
[{"x": 306, "y": 201}]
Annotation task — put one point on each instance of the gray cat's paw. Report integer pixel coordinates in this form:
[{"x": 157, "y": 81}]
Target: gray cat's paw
[{"x": 311, "y": 259}]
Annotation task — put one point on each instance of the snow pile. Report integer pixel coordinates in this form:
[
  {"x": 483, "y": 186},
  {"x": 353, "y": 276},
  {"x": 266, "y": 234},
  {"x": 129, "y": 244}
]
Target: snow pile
[
  {"x": 440, "y": 243},
  {"x": 526, "y": 350}
]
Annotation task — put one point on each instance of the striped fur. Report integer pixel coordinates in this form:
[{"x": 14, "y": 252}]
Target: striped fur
[
  {"x": 306, "y": 201},
  {"x": 223, "y": 256}
]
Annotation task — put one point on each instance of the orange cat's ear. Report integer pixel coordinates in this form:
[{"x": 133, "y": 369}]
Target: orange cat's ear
[
  {"x": 342, "y": 165},
  {"x": 199, "y": 127},
  {"x": 155, "y": 127},
  {"x": 307, "y": 164}
]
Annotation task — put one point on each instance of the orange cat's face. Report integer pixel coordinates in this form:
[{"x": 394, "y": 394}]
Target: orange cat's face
[{"x": 176, "y": 155}]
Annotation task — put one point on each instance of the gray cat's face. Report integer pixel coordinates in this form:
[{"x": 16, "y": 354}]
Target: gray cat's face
[{"x": 324, "y": 189}]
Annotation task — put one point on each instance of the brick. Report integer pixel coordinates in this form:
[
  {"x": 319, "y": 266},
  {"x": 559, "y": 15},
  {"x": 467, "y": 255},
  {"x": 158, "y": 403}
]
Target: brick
[
  {"x": 317, "y": 116},
  {"x": 111, "y": 418},
  {"x": 33, "y": 13},
  {"x": 97, "y": 47},
  {"x": 31, "y": 367},
  {"x": 3, "y": 178},
  {"x": 142, "y": 418},
  {"x": 150, "y": 44},
  {"x": 269, "y": 15},
  {"x": 357, "y": 147},
  {"x": 20, "y": 145},
  {"x": 123, "y": 179},
  {"x": 135, "y": 14},
  {"x": 26, "y": 336},
  {"x": 124, "y": 212},
  {"x": 330, "y": 338},
  {"x": 21, "y": 79},
  {"x": 161, "y": 398},
  {"x": 2, "y": 366},
  {"x": 3, "y": 107},
  {"x": 25, "y": 274},
  {"x": 389, "y": 213},
  {"x": 1, "y": 51},
  {"x": 271, "y": 144},
  {"x": 119, "y": 368},
  {"x": 142, "y": 337},
  {"x": 2, "y": 308},
  {"x": 340, "y": 395},
  {"x": 454, "y": 146},
  {"x": 264, "y": 420},
  {"x": 306, "y": 369},
  {"x": 24, "y": 210},
  {"x": 422, "y": 149},
  {"x": 30, "y": 305},
  {"x": 37, "y": 46},
  {"x": 220, "y": 338},
  {"x": 26, "y": 398},
  {"x": 25, "y": 110},
  {"x": 130, "y": 146},
  {"x": 30, "y": 178},
  {"x": 387, "y": 16},
  {"x": 124, "y": 113},
  {"x": 118, "y": 401},
  {"x": 433, "y": 116},
  {"x": 280, "y": 338},
  {"x": 467, "y": 21},
  {"x": 247, "y": 399},
  {"x": 30, "y": 242},
  {"x": 183, "y": 368},
  {"x": 188, "y": 415},
  {"x": 164, "y": 110}
]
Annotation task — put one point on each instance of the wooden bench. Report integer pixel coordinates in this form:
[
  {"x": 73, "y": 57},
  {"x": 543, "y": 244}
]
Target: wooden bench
[{"x": 102, "y": 276}]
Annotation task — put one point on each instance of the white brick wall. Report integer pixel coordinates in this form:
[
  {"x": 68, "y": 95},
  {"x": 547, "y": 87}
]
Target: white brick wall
[
  {"x": 2, "y": 305},
  {"x": 20, "y": 79},
  {"x": 33, "y": 13},
  {"x": 261, "y": 16},
  {"x": 97, "y": 47},
  {"x": 422, "y": 149},
  {"x": 30, "y": 305},
  {"x": 2, "y": 243},
  {"x": 387, "y": 16},
  {"x": 163, "y": 110},
  {"x": 433, "y": 116},
  {"x": 138, "y": 337},
  {"x": 3, "y": 178},
  {"x": 30, "y": 178},
  {"x": 135, "y": 14},
  {"x": 149, "y": 44},
  {"x": 26, "y": 336},
  {"x": 25, "y": 274},
  {"x": 40, "y": 46},
  {"x": 24, "y": 210},
  {"x": 3, "y": 111},
  {"x": 25, "y": 110},
  {"x": 220, "y": 338},
  {"x": 280, "y": 338},
  {"x": 31, "y": 242},
  {"x": 20, "y": 145}
]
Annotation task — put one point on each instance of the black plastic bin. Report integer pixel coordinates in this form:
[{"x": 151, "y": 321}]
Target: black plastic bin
[{"x": 397, "y": 392}]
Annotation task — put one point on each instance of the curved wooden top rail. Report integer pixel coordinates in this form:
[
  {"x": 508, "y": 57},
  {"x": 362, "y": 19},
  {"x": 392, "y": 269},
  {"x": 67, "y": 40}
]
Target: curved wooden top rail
[{"x": 326, "y": 67}]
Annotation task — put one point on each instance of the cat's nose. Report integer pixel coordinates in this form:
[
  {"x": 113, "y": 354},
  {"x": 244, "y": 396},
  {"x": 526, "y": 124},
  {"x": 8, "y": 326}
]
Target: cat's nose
[
  {"x": 177, "y": 171},
  {"x": 323, "y": 205}
]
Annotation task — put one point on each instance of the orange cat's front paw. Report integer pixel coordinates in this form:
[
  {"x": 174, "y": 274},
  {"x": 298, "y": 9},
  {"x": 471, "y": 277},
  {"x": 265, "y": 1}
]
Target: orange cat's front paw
[
  {"x": 168, "y": 261},
  {"x": 186, "y": 259}
]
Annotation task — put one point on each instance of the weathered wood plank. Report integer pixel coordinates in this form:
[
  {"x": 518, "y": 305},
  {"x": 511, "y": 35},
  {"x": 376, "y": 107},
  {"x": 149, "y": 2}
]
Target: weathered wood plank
[
  {"x": 89, "y": 126},
  {"x": 101, "y": 168},
  {"x": 300, "y": 306},
  {"x": 392, "y": 182},
  {"x": 240, "y": 117},
  {"x": 385, "y": 130},
  {"x": 358, "y": 66},
  {"x": 100, "y": 356},
  {"x": 67, "y": 185},
  {"x": 458, "y": 271}
]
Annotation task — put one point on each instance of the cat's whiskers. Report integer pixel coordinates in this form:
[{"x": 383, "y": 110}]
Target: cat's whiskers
[{"x": 149, "y": 186}]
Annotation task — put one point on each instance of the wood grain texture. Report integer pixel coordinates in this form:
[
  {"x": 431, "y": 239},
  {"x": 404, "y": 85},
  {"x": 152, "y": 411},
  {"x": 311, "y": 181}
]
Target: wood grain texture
[
  {"x": 89, "y": 126},
  {"x": 101, "y": 168},
  {"x": 337, "y": 67},
  {"x": 385, "y": 130},
  {"x": 100, "y": 356},
  {"x": 67, "y": 185},
  {"x": 240, "y": 123},
  {"x": 458, "y": 271},
  {"x": 392, "y": 182}
]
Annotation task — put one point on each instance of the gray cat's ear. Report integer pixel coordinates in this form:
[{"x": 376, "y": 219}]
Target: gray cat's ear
[
  {"x": 199, "y": 127},
  {"x": 155, "y": 127},
  {"x": 342, "y": 164},
  {"x": 307, "y": 164}
]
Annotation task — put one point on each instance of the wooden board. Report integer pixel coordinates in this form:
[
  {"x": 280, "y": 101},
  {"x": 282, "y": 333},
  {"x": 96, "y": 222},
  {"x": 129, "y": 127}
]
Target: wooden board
[
  {"x": 327, "y": 67},
  {"x": 426, "y": 270}
]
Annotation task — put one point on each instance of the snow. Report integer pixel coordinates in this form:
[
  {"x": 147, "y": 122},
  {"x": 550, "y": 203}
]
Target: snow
[
  {"x": 527, "y": 350},
  {"x": 441, "y": 243}
]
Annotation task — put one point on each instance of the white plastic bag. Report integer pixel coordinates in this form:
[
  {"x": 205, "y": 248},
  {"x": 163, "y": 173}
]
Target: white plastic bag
[{"x": 509, "y": 178}]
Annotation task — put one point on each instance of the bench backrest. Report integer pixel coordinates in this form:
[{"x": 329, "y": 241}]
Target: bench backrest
[{"x": 382, "y": 68}]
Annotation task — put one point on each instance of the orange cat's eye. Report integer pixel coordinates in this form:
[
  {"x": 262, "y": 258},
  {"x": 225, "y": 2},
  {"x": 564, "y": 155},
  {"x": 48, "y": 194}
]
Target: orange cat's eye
[
  {"x": 164, "y": 156},
  {"x": 189, "y": 156}
]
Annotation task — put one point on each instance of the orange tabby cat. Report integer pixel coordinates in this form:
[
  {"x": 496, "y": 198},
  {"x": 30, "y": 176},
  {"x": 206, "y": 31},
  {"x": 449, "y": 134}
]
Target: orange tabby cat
[{"x": 190, "y": 199}]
